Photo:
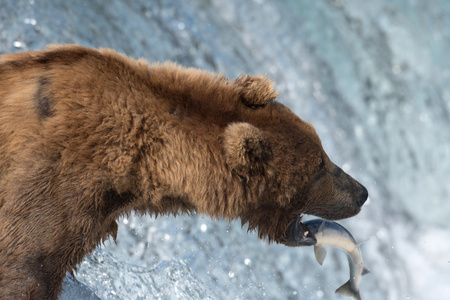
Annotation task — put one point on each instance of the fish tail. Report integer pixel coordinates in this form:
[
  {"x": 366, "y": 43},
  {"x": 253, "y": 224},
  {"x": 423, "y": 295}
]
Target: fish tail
[{"x": 348, "y": 290}]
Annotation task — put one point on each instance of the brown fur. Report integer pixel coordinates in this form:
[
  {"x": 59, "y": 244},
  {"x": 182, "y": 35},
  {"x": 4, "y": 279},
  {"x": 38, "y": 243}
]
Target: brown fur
[{"x": 89, "y": 135}]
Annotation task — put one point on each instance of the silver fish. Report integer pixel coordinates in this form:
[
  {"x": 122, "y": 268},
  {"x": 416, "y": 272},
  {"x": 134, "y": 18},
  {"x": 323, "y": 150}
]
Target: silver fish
[{"x": 333, "y": 234}]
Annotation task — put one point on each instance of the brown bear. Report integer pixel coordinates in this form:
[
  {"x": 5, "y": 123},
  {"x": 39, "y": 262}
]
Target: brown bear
[{"x": 89, "y": 135}]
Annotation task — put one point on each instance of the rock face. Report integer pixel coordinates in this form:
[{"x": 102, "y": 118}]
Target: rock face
[{"x": 373, "y": 80}]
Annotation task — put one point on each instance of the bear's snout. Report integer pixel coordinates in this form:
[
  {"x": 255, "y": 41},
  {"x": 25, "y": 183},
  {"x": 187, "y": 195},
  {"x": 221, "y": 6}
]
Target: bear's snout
[
  {"x": 347, "y": 187},
  {"x": 335, "y": 195},
  {"x": 363, "y": 197}
]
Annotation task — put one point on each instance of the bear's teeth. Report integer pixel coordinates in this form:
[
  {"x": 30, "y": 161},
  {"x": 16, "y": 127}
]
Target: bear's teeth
[{"x": 305, "y": 233}]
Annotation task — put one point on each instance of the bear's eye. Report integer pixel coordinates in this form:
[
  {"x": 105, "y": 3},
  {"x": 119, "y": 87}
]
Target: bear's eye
[
  {"x": 322, "y": 165},
  {"x": 255, "y": 106},
  {"x": 321, "y": 171}
]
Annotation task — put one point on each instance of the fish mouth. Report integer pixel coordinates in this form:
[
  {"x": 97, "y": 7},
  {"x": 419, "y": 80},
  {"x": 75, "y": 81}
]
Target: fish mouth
[{"x": 298, "y": 234}]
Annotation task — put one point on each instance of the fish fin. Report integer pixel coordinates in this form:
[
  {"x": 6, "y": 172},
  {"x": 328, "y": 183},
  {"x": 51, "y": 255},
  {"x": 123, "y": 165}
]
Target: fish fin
[
  {"x": 320, "y": 253},
  {"x": 363, "y": 242},
  {"x": 365, "y": 271},
  {"x": 346, "y": 289},
  {"x": 321, "y": 227}
]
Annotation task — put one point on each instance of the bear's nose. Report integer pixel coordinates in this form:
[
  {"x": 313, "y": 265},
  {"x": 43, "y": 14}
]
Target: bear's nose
[{"x": 363, "y": 197}]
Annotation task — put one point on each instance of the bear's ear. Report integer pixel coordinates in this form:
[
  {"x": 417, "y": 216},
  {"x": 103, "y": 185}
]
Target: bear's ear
[
  {"x": 246, "y": 148},
  {"x": 256, "y": 91}
]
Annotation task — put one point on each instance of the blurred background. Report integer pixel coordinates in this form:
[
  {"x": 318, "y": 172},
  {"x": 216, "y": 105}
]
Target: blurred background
[{"x": 373, "y": 77}]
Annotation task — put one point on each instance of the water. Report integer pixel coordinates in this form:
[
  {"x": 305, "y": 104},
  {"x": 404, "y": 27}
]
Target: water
[
  {"x": 111, "y": 278},
  {"x": 371, "y": 76}
]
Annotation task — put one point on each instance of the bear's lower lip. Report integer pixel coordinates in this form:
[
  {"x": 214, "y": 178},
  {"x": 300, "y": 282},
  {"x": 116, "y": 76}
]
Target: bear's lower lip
[{"x": 297, "y": 234}]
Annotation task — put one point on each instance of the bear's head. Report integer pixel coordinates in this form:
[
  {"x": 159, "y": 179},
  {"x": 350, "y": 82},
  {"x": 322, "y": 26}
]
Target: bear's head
[
  {"x": 228, "y": 149},
  {"x": 274, "y": 151}
]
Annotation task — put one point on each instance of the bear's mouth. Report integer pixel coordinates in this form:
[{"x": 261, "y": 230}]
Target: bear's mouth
[{"x": 298, "y": 234}]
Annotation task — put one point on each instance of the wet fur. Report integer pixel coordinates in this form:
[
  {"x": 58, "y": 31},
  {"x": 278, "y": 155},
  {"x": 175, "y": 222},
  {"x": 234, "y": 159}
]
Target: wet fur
[{"x": 89, "y": 135}]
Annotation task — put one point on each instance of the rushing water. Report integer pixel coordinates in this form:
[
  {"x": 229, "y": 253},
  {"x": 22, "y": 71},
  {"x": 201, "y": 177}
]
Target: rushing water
[{"x": 372, "y": 76}]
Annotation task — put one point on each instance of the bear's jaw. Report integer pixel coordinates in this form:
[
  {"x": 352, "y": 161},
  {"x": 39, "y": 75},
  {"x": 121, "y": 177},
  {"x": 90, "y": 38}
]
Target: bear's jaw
[{"x": 297, "y": 234}]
